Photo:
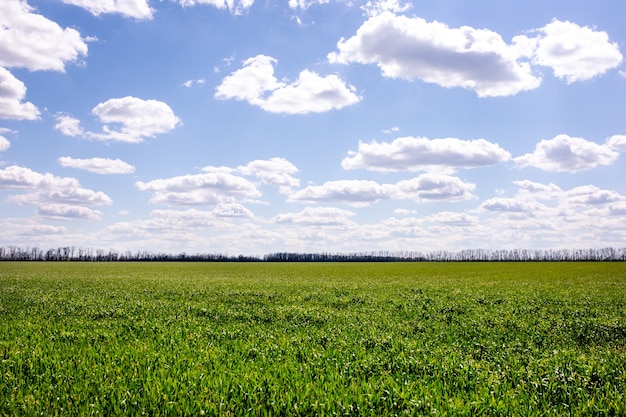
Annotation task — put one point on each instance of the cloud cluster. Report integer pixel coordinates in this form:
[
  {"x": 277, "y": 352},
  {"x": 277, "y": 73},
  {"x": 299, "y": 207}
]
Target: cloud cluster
[
  {"x": 127, "y": 119},
  {"x": 56, "y": 197},
  {"x": 30, "y": 40},
  {"x": 310, "y": 93},
  {"x": 476, "y": 59}
]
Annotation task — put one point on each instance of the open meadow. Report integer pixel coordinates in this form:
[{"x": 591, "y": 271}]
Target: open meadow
[{"x": 312, "y": 339}]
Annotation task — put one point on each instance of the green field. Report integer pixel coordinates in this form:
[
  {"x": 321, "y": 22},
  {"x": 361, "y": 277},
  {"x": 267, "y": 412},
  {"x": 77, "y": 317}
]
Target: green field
[{"x": 313, "y": 339}]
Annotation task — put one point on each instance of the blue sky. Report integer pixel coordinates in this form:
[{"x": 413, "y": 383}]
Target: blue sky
[{"x": 245, "y": 127}]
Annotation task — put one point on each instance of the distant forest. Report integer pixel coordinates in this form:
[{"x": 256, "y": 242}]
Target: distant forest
[{"x": 71, "y": 253}]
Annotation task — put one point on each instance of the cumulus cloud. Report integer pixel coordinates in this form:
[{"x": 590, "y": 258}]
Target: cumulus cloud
[
  {"x": 15, "y": 177},
  {"x": 310, "y": 93},
  {"x": 593, "y": 195},
  {"x": 199, "y": 189},
  {"x": 316, "y": 216},
  {"x": 69, "y": 195},
  {"x": 234, "y": 6},
  {"x": 68, "y": 125},
  {"x": 567, "y": 154},
  {"x": 12, "y": 93},
  {"x": 138, "y": 9},
  {"x": 617, "y": 143},
  {"x": 414, "y": 49},
  {"x": 30, "y": 40},
  {"x": 65, "y": 211},
  {"x": 450, "y": 218},
  {"x": 575, "y": 53},
  {"x": 133, "y": 120},
  {"x": 275, "y": 171},
  {"x": 98, "y": 165},
  {"x": 434, "y": 187},
  {"x": 4, "y": 142},
  {"x": 232, "y": 210},
  {"x": 355, "y": 192},
  {"x": 515, "y": 205},
  {"x": 415, "y": 154},
  {"x": 426, "y": 187},
  {"x": 55, "y": 196}
]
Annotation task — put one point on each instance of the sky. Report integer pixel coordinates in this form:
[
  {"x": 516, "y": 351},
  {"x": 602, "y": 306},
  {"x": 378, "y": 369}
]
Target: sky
[{"x": 252, "y": 127}]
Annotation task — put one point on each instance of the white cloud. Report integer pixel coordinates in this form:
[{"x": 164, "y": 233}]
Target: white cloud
[
  {"x": 404, "y": 212},
  {"x": 134, "y": 120},
  {"x": 376, "y": 7},
  {"x": 69, "y": 125},
  {"x": 65, "y": 211},
  {"x": 452, "y": 219},
  {"x": 98, "y": 165},
  {"x": 310, "y": 93},
  {"x": 415, "y": 154},
  {"x": 199, "y": 189},
  {"x": 617, "y": 143},
  {"x": 234, "y": 6},
  {"x": 426, "y": 187},
  {"x": 536, "y": 187},
  {"x": 232, "y": 210},
  {"x": 575, "y": 53},
  {"x": 567, "y": 154},
  {"x": 138, "y": 9},
  {"x": 316, "y": 216},
  {"x": 355, "y": 192},
  {"x": 4, "y": 143},
  {"x": 305, "y": 4},
  {"x": 67, "y": 195},
  {"x": 12, "y": 93},
  {"x": 592, "y": 195},
  {"x": 14, "y": 177},
  {"x": 618, "y": 209},
  {"x": 32, "y": 41},
  {"x": 55, "y": 196},
  {"x": 275, "y": 171},
  {"x": 189, "y": 198},
  {"x": 191, "y": 83},
  {"x": 515, "y": 205},
  {"x": 434, "y": 187},
  {"x": 414, "y": 49}
]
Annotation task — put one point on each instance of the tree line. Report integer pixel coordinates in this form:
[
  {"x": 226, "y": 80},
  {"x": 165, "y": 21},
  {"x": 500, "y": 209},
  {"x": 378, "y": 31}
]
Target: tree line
[{"x": 71, "y": 253}]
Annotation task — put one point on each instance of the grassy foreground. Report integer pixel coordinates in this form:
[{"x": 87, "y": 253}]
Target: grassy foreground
[{"x": 313, "y": 339}]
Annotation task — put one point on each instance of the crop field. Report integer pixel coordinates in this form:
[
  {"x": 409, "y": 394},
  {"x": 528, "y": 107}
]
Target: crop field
[{"x": 526, "y": 339}]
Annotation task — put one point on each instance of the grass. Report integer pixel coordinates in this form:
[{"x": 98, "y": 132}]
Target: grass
[{"x": 313, "y": 339}]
